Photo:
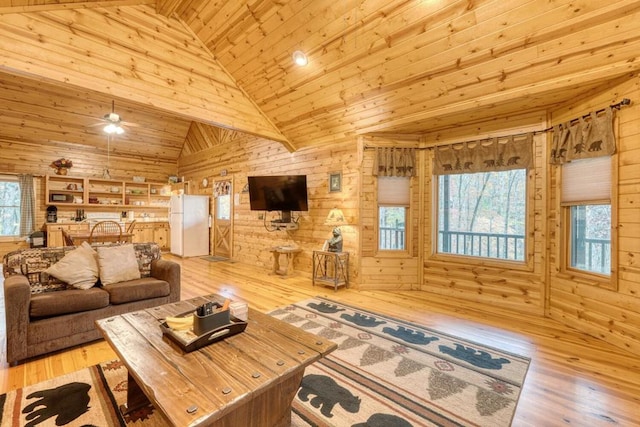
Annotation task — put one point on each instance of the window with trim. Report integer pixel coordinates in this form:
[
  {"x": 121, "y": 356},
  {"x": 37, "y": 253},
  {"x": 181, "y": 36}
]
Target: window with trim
[
  {"x": 483, "y": 214},
  {"x": 586, "y": 204},
  {"x": 482, "y": 197},
  {"x": 393, "y": 208},
  {"x": 9, "y": 206}
]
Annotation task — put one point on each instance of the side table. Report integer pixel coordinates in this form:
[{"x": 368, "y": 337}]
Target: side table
[
  {"x": 331, "y": 268},
  {"x": 290, "y": 253}
]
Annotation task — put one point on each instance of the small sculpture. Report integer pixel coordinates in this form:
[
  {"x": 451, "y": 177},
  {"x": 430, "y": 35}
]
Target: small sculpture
[{"x": 335, "y": 243}]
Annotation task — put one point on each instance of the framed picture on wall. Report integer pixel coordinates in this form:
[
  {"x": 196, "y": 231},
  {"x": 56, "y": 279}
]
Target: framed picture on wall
[{"x": 335, "y": 182}]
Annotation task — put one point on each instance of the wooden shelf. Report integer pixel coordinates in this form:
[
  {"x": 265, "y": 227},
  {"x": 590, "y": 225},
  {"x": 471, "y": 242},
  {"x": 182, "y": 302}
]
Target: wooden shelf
[{"x": 59, "y": 191}]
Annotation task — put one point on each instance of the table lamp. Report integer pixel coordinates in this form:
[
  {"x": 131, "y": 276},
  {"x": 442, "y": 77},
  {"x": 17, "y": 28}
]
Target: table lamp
[{"x": 336, "y": 219}]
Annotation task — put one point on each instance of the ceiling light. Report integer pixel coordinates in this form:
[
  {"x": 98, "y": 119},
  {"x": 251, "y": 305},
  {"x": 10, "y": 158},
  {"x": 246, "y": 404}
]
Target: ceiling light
[
  {"x": 300, "y": 58},
  {"x": 112, "y": 128}
]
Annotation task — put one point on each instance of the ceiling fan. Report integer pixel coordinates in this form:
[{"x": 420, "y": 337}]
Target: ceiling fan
[{"x": 113, "y": 123}]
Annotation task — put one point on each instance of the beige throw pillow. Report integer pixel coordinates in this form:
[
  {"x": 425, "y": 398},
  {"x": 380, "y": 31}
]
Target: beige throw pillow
[
  {"x": 79, "y": 267},
  {"x": 117, "y": 264}
]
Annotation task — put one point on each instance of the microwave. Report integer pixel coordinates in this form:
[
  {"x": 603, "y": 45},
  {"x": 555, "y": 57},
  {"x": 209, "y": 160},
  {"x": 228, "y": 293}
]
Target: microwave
[{"x": 59, "y": 197}]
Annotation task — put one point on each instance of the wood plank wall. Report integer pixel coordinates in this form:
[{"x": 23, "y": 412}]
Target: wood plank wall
[
  {"x": 387, "y": 270},
  {"x": 613, "y": 313},
  {"x": 19, "y": 157},
  {"x": 240, "y": 155},
  {"x": 517, "y": 286},
  {"x": 137, "y": 55}
]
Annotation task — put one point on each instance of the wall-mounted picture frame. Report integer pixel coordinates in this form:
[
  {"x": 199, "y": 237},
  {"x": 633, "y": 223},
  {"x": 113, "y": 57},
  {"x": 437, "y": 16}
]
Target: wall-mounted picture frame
[{"x": 335, "y": 182}]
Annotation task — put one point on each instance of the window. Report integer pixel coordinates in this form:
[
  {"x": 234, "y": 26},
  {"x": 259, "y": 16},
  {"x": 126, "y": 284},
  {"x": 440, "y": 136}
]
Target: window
[
  {"x": 586, "y": 200},
  {"x": 9, "y": 207},
  {"x": 590, "y": 238},
  {"x": 223, "y": 207},
  {"x": 483, "y": 214},
  {"x": 393, "y": 205}
]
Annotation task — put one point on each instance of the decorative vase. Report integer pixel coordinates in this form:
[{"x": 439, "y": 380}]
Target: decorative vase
[{"x": 62, "y": 171}]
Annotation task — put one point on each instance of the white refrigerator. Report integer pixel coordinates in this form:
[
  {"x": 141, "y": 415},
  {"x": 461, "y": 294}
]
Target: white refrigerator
[{"x": 189, "y": 222}]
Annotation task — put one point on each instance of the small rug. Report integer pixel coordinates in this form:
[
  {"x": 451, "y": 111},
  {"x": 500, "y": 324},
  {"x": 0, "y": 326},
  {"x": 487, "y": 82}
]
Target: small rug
[
  {"x": 391, "y": 373},
  {"x": 385, "y": 373}
]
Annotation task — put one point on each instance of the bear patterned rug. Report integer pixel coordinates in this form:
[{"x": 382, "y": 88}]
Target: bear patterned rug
[
  {"x": 385, "y": 373},
  {"x": 390, "y": 373}
]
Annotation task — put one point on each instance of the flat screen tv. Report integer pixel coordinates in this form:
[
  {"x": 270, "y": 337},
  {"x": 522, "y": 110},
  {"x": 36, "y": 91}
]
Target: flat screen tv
[{"x": 284, "y": 193}]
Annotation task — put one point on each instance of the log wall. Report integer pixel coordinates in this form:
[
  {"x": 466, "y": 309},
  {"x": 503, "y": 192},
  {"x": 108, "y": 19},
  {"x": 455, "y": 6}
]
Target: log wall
[
  {"x": 515, "y": 285},
  {"x": 28, "y": 158},
  {"x": 237, "y": 156},
  {"x": 610, "y": 311}
]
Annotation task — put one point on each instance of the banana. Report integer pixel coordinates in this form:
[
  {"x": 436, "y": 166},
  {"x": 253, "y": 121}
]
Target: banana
[{"x": 179, "y": 323}]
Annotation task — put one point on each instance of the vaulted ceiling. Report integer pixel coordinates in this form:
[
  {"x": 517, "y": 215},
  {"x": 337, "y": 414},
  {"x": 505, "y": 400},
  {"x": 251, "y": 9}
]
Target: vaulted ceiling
[{"x": 375, "y": 66}]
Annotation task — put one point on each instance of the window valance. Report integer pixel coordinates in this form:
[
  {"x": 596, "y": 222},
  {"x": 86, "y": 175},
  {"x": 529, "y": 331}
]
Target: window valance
[
  {"x": 394, "y": 161},
  {"x": 584, "y": 139},
  {"x": 496, "y": 154}
]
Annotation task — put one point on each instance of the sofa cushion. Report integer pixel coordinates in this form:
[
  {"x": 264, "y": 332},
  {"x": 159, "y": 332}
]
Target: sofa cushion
[
  {"x": 78, "y": 268},
  {"x": 135, "y": 290},
  {"x": 117, "y": 264},
  {"x": 49, "y": 304}
]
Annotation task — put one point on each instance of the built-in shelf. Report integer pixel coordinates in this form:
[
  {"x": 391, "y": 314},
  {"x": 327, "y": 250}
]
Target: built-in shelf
[{"x": 64, "y": 190}]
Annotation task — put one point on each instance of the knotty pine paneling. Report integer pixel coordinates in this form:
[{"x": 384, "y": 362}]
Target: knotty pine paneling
[
  {"x": 519, "y": 286},
  {"x": 610, "y": 314},
  {"x": 132, "y": 53},
  {"x": 381, "y": 270},
  {"x": 18, "y": 157},
  {"x": 242, "y": 155}
]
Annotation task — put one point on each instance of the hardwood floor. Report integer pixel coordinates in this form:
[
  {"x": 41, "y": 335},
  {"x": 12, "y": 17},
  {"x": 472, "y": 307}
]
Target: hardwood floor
[{"x": 573, "y": 379}]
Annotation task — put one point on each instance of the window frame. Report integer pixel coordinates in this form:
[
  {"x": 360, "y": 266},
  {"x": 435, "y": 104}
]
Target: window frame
[
  {"x": 525, "y": 265},
  {"x": 407, "y": 229},
  {"x": 407, "y": 251},
  {"x": 13, "y": 237},
  {"x": 565, "y": 269}
]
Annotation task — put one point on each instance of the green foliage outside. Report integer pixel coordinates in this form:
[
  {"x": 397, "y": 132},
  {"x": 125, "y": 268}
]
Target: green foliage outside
[{"x": 9, "y": 208}]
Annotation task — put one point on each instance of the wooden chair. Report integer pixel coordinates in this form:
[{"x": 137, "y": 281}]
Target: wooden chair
[
  {"x": 68, "y": 240},
  {"x": 130, "y": 229},
  {"x": 106, "y": 231}
]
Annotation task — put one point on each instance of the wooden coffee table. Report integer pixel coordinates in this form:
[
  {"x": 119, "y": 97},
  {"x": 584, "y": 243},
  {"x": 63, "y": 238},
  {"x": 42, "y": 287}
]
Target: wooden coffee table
[{"x": 249, "y": 379}]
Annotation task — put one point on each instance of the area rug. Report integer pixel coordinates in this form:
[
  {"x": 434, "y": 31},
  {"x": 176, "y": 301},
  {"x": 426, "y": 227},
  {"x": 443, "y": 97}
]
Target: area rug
[
  {"x": 88, "y": 397},
  {"x": 385, "y": 373},
  {"x": 390, "y": 373}
]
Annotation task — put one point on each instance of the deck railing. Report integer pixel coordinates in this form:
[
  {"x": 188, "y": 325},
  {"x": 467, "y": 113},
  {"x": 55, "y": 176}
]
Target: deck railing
[
  {"x": 392, "y": 238},
  {"x": 489, "y": 245},
  {"x": 592, "y": 255}
]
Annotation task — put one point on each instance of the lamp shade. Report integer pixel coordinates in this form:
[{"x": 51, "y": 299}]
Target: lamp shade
[{"x": 335, "y": 217}]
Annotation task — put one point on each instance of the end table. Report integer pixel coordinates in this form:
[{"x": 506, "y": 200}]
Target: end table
[{"x": 331, "y": 268}]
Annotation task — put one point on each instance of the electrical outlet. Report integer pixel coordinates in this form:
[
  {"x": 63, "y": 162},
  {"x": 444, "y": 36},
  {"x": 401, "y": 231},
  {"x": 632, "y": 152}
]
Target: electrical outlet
[{"x": 260, "y": 216}]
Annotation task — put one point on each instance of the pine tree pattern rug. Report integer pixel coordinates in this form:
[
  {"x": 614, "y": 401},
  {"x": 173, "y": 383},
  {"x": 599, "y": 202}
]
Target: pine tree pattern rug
[
  {"x": 390, "y": 373},
  {"x": 385, "y": 373}
]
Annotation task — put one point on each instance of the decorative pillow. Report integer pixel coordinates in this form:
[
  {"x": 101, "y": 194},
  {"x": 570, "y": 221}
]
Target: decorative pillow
[
  {"x": 78, "y": 268},
  {"x": 117, "y": 264}
]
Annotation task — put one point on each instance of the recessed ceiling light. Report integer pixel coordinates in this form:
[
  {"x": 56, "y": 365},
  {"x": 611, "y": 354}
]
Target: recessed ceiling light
[{"x": 300, "y": 58}]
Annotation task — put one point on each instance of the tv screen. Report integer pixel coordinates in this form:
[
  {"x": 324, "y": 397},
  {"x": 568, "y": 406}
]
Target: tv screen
[{"x": 278, "y": 193}]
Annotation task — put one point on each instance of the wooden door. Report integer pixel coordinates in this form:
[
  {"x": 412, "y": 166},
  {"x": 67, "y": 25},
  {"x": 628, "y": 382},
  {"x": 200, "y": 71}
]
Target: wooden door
[{"x": 221, "y": 236}]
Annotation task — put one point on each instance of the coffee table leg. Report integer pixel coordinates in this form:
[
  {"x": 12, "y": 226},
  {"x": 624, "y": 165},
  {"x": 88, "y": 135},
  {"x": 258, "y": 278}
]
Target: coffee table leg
[{"x": 136, "y": 398}]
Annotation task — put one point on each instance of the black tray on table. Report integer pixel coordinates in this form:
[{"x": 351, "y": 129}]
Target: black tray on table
[{"x": 212, "y": 328}]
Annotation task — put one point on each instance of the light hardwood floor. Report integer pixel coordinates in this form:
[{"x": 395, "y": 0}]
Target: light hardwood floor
[{"x": 573, "y": 380}]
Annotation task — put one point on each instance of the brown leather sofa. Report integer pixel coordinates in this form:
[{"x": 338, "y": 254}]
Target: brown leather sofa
[{"x": 44, "y": 315}]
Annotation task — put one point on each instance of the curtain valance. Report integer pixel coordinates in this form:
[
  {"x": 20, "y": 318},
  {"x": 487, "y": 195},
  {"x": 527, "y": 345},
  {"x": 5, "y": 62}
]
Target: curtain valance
[
  {"x": 394, "y": 161},
  {"x": 485, "y": 156},
  {"x": 584, "y": 139}
]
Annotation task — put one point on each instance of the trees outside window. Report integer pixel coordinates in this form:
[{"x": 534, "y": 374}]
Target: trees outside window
[
  {"x": 483, "y": 214},
  {"x": 9, "y": 207}
]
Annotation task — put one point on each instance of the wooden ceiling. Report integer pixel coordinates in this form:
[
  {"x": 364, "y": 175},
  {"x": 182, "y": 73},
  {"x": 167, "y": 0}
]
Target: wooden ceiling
[{"x": 375, "y": 66}]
